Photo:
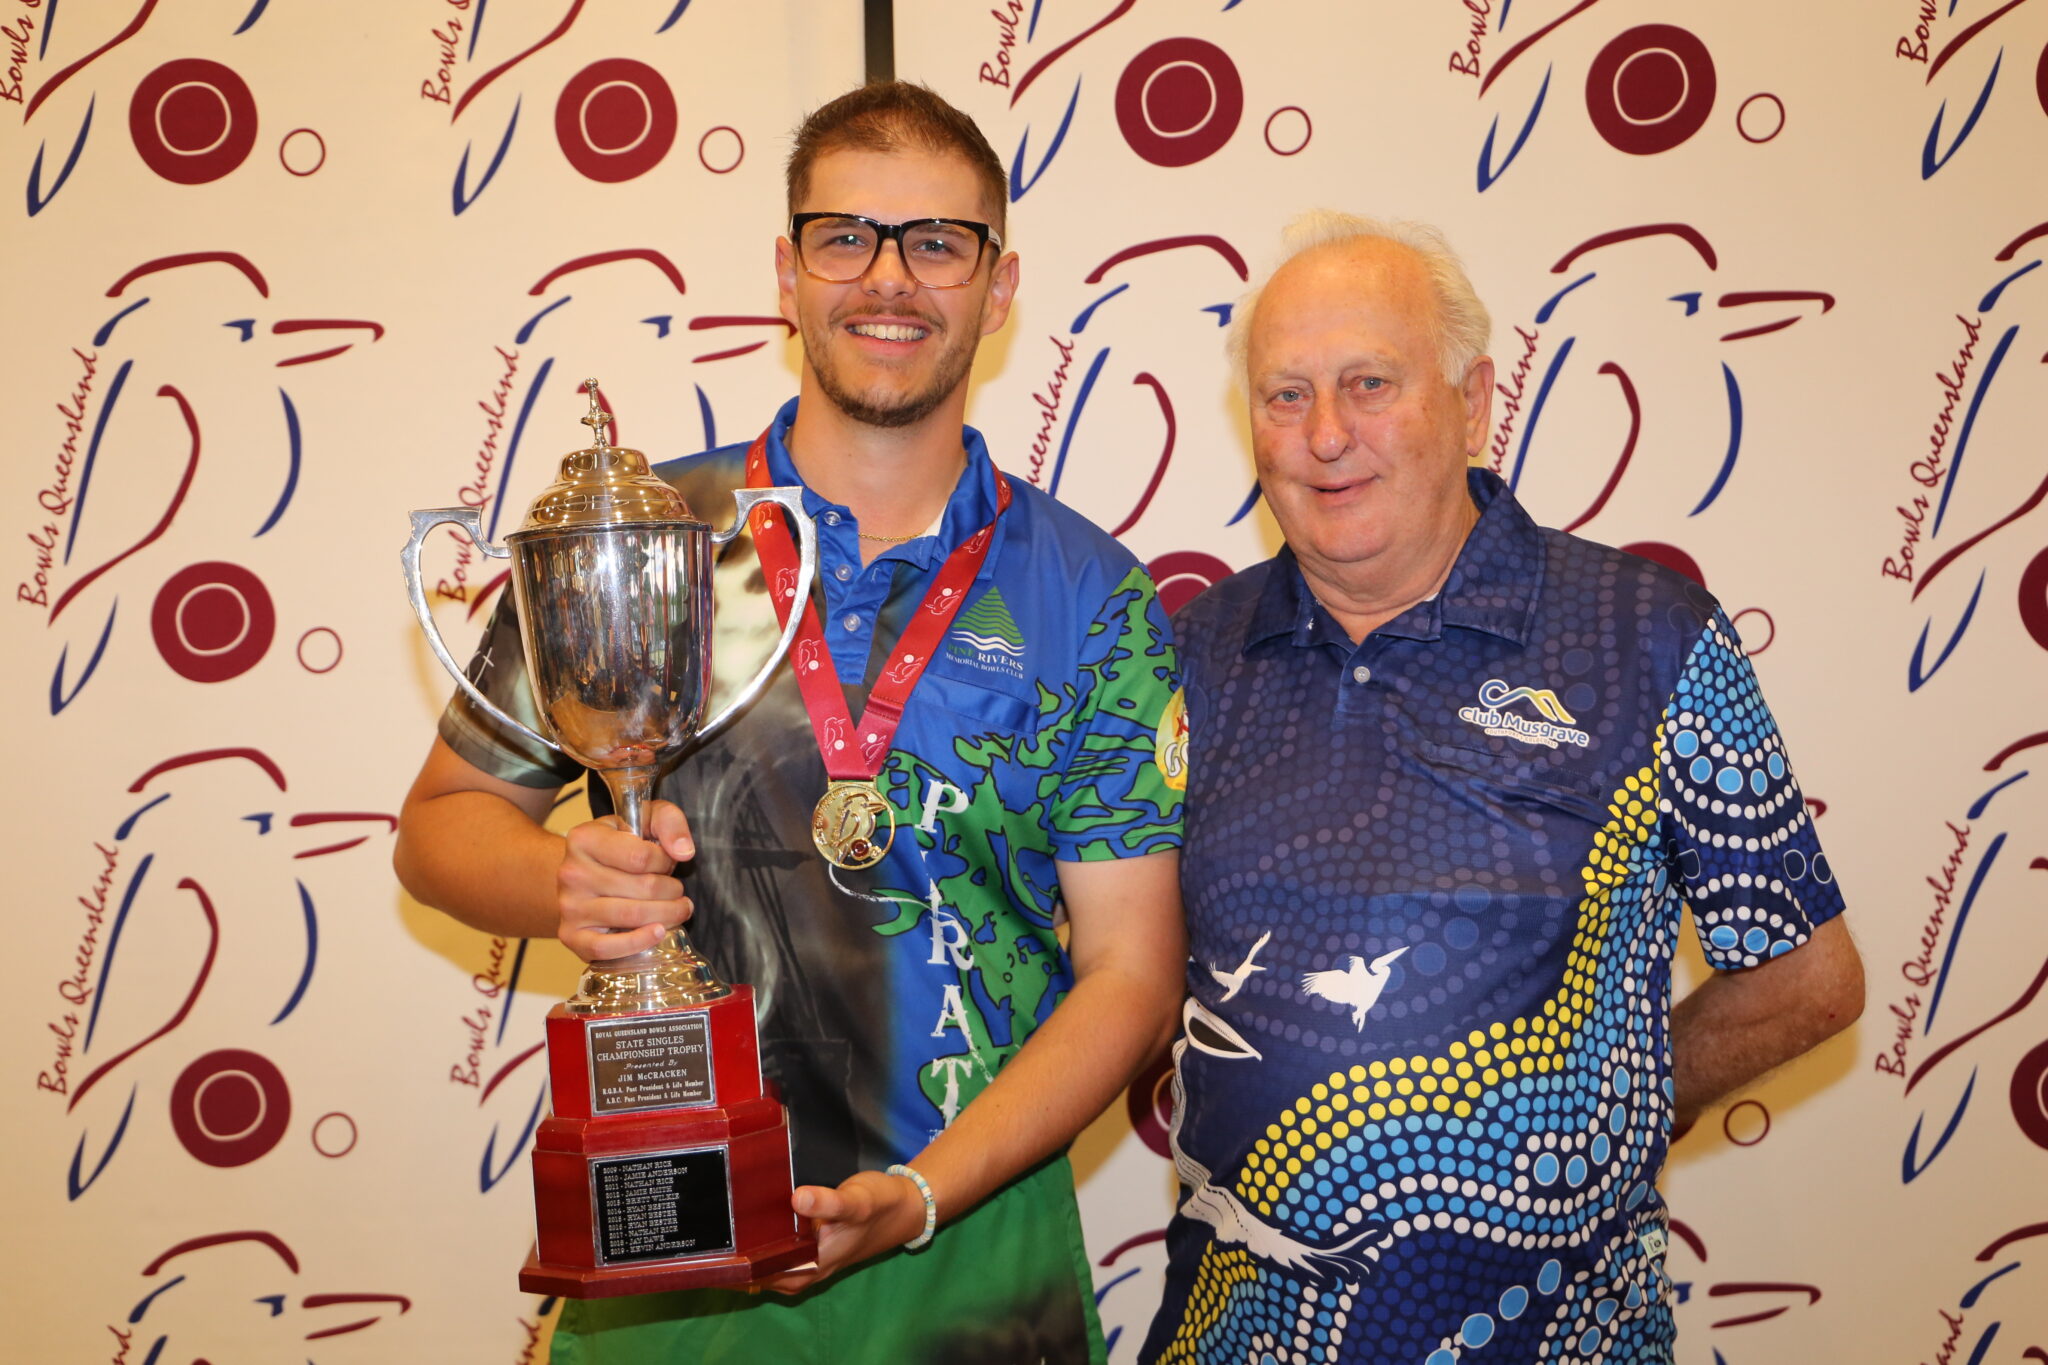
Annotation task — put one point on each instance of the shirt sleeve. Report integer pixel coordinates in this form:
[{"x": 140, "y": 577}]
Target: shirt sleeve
[
  {"x": 498, "y": 669},
  {"x": 1742, "y": 840},
  {"x": 1119, "y": 793}
]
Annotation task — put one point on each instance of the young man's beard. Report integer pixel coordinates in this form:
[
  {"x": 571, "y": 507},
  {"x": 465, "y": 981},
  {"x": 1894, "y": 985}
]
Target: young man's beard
[{"x": 892, "y": 409}]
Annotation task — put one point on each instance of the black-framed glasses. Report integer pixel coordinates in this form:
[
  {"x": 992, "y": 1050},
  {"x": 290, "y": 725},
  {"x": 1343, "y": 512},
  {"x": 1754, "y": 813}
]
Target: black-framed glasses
[{"x": 939, "y": 253}]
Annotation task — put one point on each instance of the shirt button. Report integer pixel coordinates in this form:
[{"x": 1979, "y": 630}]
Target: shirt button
[
  {"x": 843, "y": 572},
  {"x": 852, "y": 621},
  {"x": 1361, "y": 674},
  {"x": 831, "y": 518}
]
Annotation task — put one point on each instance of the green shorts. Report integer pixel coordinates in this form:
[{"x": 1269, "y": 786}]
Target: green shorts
[{"x": 1008, "y": 1284}]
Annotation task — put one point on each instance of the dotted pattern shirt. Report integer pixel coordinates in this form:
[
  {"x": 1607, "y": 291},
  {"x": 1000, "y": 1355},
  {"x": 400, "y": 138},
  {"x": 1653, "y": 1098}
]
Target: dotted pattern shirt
[{"x": 1434, "y": 881}]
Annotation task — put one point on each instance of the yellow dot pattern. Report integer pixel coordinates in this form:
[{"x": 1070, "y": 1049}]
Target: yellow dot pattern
[
  {"x": 1217, "y": 1276},
  {"x": 1458, "y": 1080}
]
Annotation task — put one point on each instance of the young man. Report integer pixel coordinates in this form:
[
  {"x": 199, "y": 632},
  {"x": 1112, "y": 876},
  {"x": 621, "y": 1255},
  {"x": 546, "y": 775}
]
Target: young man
[
  {"x": 919, "y": 1010},
  {"x": 1428, "y": 1128}
]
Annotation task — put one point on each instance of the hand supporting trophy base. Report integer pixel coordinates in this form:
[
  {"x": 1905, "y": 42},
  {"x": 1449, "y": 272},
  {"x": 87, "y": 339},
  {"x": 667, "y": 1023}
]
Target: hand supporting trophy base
[{"x": 665, "y": 1163}]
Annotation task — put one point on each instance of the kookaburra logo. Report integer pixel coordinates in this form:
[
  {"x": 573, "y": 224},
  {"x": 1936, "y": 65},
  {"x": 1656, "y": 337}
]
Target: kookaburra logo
[{"x": 1556, "y": 726}]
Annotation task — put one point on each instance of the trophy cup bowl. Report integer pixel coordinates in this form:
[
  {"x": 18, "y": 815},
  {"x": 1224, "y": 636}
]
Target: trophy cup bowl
[
  {"x": 616, "y": 620},
  {"x": 665, "y": 1163}
]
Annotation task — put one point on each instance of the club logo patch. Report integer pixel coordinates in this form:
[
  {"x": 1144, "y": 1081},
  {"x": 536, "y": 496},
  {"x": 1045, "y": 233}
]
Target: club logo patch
[
  {"x": 1170, "y": 744},
  {"x": 1555, "y": 726},
  {"x": 986, "y": 636}
]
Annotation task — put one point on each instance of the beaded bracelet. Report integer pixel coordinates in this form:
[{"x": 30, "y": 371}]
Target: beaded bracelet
[{"x": 931, "y": 1205}]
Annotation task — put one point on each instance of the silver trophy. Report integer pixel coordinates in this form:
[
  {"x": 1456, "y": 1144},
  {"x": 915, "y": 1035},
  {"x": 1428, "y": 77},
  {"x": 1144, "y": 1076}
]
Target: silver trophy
[{"x": 611, "y": 575}]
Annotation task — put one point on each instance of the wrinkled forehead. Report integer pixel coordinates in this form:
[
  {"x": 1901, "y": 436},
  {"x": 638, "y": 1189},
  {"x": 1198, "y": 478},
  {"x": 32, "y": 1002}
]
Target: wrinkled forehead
[{"x": 1354, "y": 302}]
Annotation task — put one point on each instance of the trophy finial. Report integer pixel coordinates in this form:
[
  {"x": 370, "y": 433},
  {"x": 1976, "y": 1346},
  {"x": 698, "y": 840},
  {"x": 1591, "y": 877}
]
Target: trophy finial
[{"x": 597, "y": 419}]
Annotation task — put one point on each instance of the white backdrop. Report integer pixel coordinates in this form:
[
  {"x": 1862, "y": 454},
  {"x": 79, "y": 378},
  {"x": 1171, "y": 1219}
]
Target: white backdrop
[{"x": 1767, "y": 305}]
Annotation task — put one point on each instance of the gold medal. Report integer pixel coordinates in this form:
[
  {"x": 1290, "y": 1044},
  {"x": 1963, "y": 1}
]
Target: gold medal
[{"x": 852, "y": 825}]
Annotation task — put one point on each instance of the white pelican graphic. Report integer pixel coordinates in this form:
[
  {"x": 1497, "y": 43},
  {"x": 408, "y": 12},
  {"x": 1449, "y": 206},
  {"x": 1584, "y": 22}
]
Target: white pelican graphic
[
  {"x": 1205, "y": 1031},
  {"x": 1210, "y": 1203},
  {"x": 1233, "y": 982},
  {"x": 1358, "y": 985}
]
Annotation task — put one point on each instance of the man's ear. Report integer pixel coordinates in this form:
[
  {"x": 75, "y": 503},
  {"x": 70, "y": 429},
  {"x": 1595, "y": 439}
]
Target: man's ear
[
  {"x": 1002, "y": 290},
  {"x": 1478, "y": 393},
  {"x": 785, "y": 279}
]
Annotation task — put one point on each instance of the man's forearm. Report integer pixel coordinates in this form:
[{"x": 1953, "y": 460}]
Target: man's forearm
[
  {"x": 1738, "y": 1025},
  {"x": 1066, "y": 1073},
  {"x": 481, "y": 860}
]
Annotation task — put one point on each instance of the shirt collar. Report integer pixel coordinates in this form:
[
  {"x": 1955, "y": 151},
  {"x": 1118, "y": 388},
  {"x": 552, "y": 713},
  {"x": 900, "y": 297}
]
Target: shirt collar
[
  {"x": 1493, "y": 586},
  {"x": 1498, "y": 578},
  {"x": 971, "y": 506},
  {"x": 1286, "y": 607}
]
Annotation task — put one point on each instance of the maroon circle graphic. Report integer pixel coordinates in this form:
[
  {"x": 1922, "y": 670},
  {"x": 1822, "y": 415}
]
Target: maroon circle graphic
[
  {"x": 192, "y": 120},
  {"x": 337, "y": 1124},
  {"x": 616, "y": 119},
  {"x": 1182, "y": 574},
  {"x": 1752, "y": 650},
  {"x": 302, "y": 147},
  {"x": 1149, "y": 1105},
  {"x": 2034, "y": 598},
  {"x": 1178, "y": 101},
  {"x": 1670, "y": 556},
  {"x": 230, "y": 1107},
  {"x": 2030, "y": 1095},
  {"x": 212, "y": 621},
  {"x": 739, "y": 152},
  {"x": 331, "y": 664},
  {"x": 2041, "y": 79},
  {"x": 1308, "y": 129},
  {"x": 1729, "y": 1124},
  {"x": 1650, "y": 89},
  {"x": 1742, "y": 119}
]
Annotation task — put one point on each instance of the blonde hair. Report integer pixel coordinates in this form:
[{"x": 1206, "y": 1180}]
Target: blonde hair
[{"x": 1461, "y": 326}]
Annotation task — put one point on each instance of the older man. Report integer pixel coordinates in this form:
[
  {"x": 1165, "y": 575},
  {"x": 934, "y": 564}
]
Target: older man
[{"x": 1453, "y": 778}]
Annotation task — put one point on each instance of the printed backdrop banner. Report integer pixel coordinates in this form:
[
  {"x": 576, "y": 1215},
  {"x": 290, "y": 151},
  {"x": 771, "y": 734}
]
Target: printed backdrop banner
[{"x": 1764, "y": 280}]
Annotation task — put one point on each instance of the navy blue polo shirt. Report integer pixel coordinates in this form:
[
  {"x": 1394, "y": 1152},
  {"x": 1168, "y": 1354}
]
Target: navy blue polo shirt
[{"x": 1433, "y": 884}]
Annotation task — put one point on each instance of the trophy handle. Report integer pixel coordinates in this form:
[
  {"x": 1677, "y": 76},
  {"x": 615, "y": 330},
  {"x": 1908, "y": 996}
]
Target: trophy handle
[
  {"x": 792, "y": 503},
  {"x": 470, "y": 519}
]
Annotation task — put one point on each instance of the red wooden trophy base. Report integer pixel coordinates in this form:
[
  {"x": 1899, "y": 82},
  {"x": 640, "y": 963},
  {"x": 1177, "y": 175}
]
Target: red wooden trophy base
[{"x": 665, "y": 1163}]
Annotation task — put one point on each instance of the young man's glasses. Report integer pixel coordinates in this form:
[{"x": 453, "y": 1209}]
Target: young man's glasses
[{"x": 939, "y": 253}]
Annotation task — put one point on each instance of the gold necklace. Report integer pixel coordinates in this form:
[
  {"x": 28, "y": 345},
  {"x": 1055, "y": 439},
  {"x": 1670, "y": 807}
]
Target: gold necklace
[{"x": 889, "y": 540}]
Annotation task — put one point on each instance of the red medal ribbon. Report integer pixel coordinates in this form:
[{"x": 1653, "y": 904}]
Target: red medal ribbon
[{"x": 824, "y": 700}]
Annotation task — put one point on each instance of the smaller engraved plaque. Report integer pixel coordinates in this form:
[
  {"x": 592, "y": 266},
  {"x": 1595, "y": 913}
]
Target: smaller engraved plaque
[
  {"x": 653, "y": 1062},
  {"x": 662, "y": 1207}
]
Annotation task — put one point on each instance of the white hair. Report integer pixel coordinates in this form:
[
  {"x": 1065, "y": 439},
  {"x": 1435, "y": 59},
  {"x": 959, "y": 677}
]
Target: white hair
[{"x": 1461, "y": 326}]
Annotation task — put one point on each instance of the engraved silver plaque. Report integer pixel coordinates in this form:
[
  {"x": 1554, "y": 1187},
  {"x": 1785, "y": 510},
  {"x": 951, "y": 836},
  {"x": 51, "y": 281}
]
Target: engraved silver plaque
[
  {"x": 659, "y": 1061},
  {"x": 661, "y": 1206}
]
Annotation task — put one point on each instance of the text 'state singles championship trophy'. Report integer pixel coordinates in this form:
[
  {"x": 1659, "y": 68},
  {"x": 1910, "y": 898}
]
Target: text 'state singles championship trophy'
[{"x": 665, "y": 1163}]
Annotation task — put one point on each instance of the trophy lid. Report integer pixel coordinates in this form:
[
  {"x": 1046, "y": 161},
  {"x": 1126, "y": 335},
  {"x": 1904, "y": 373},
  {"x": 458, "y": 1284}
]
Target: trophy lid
[{"x": 604, "y": 485}]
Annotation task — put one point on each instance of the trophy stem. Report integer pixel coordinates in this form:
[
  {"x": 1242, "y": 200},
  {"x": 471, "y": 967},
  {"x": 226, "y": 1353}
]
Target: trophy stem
[
  {"x": 632, "y": 791},
  {"x": 670, "y": 974}
]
